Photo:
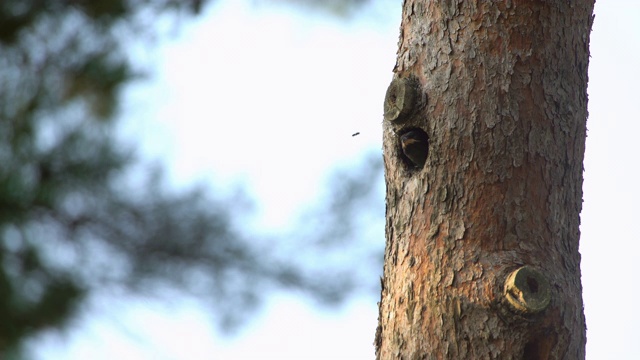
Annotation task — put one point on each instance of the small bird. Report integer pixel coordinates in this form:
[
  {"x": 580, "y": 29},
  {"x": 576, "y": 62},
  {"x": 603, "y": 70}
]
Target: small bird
[{"x": 415, "y": 146}]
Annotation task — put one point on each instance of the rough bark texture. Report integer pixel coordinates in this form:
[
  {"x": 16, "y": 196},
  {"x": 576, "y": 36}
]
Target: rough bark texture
[{"x": 502, "y": 96}]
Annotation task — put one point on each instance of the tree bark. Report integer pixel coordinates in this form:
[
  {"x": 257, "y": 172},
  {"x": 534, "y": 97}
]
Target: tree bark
[{"x": 484, "y": 135}]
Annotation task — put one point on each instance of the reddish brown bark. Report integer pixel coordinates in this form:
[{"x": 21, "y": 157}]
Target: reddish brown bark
[{"x": 501, "y": 94}]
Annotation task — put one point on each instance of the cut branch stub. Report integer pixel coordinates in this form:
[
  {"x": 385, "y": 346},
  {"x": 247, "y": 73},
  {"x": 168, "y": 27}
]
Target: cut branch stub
[
  {"x": 526, "y": 290},
  {"x": 400, "y": 99}
]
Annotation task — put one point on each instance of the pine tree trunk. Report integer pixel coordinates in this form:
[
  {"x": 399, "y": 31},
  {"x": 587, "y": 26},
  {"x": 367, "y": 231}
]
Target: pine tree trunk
[{"x": 484, "y": 135}]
